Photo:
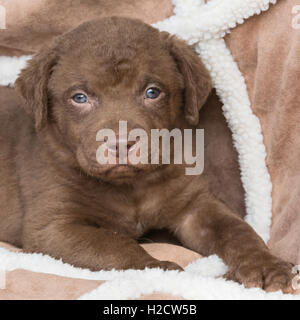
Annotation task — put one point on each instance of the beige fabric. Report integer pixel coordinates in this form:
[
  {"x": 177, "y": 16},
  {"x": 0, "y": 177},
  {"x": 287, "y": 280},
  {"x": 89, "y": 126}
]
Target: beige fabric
[
  {"x": 32, "y": 23},
  {"x": 267, "y": 50},
  {"x": 27, "y": 285},
  {"x": 159, "y": 296}
]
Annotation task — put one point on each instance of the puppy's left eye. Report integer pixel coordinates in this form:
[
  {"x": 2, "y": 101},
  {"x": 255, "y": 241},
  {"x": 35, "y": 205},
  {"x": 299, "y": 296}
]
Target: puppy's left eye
[
  {"x": 80, "y": 98},
  {"x": 152, "y": 93}
]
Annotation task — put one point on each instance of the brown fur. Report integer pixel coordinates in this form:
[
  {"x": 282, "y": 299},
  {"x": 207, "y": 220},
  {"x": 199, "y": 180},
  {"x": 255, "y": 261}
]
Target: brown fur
[{"x": 58, "y": 200}]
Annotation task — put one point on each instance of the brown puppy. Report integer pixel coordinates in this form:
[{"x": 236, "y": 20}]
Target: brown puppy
[{"x": 57, "y": 199}]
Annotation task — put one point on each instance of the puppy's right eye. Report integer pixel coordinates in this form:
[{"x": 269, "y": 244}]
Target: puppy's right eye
[
  {"x": 80, "y": 98},
  {"x": 152, "y": 93}
]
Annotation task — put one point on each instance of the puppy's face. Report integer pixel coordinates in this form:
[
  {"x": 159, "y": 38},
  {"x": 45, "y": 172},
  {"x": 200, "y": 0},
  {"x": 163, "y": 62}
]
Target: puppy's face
[{"x": 107, "y": 71}]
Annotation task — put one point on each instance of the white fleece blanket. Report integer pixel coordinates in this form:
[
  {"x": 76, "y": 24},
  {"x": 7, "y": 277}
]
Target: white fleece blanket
[{"x": 204, "y": 26}]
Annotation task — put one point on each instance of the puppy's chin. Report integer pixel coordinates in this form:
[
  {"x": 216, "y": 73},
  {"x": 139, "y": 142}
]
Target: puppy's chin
[
  {"x": 119, "y": 173},
  {"x": 113, "y": 173},
  {"x": 123, "y": 174}
]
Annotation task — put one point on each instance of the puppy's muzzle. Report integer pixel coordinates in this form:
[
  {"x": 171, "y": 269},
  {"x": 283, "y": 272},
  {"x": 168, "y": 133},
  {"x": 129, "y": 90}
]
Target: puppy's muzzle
[{"x": 121, "y": 147}]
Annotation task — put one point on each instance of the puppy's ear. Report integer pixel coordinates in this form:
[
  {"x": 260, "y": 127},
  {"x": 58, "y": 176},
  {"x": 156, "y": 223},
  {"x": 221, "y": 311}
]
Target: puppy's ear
[
  {"x": 32, "y": 85},
  {"x": 197, "y": 80}
]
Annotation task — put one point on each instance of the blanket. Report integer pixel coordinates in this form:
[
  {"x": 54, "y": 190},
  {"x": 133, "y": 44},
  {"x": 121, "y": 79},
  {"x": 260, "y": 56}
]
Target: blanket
[{"x": 266, "y": 50}]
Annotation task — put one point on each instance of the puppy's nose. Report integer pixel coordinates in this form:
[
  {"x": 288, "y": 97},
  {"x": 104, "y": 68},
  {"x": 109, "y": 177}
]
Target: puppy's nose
[{"x": 122, "y": 147}]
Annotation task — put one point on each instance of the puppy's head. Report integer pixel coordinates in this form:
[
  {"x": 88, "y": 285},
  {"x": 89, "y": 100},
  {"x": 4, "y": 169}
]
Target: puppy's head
[{"x": 111, "y": 70}]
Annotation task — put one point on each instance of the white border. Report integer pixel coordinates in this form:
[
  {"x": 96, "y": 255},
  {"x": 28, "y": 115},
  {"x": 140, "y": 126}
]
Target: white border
[
  {"x": 10, "y": 68},
  {"x": 197, "y": 22},
  {"x": 246, "y": 133}
]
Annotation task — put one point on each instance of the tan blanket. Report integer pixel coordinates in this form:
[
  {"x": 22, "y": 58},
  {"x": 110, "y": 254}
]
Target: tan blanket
[
  {"x": 27, "y": 285},
  {"x": 267, "y": 50}
]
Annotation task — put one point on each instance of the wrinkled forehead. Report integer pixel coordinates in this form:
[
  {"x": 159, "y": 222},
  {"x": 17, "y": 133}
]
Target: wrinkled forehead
[
  {"x": 110, "y": 68},
  {"x": 115, "y": 55}
]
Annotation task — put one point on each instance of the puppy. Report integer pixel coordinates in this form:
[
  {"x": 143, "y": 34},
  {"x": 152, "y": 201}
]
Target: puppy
[{"x": 56, "y": 198}]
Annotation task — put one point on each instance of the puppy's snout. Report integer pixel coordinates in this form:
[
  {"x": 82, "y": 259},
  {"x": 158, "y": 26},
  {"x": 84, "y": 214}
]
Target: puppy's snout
[{"x": 121, "y": 147}]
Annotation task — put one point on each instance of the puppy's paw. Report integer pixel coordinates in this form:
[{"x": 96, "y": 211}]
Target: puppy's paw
[
  {"x": 271, "y": 274},
  {"x": 165, "y": 265}
]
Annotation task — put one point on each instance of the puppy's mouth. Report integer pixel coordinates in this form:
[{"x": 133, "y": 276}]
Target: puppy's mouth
[
  {"x": 112, "y": 172},
  {"x": 123, "y": 169},
  {"x": 121, "y": 173}
]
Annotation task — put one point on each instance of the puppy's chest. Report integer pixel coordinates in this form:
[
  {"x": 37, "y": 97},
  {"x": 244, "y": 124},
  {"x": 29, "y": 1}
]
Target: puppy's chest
[
  {"x": 138, "y": 211},
  {"x": 147, "y": 210}
]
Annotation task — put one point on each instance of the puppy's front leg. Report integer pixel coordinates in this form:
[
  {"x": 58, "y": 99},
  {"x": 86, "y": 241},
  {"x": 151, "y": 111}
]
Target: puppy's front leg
[
  {"x": 88, "y": 246},
  {"x": 213, "y": 228}
]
